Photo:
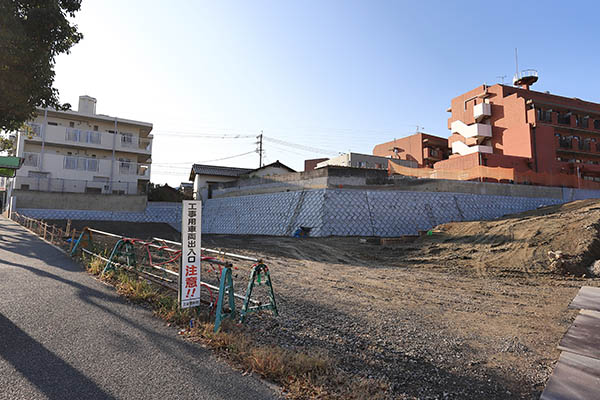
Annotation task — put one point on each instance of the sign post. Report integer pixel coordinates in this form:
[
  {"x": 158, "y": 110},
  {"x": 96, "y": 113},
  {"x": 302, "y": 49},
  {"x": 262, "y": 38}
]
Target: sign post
[{"x": 189, "y": 270}]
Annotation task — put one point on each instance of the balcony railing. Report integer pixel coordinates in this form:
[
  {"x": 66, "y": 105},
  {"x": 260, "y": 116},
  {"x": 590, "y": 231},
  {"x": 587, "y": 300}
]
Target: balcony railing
[
  {"x": 78, "y": 135},
  {"x": 105, "y": 140},
  {"x": 81, "y": 163},
  {"x": 135, "y": 142},
  {"x": 131, "y": 168},
  {"x": 59, "y": 185}
]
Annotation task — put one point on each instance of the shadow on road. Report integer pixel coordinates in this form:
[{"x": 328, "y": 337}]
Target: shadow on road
[{"x": 49, "y": 373}]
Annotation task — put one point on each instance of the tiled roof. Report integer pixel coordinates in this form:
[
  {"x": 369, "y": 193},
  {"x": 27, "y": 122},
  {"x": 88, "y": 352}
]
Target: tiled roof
[{"x": 216, "y": 170}]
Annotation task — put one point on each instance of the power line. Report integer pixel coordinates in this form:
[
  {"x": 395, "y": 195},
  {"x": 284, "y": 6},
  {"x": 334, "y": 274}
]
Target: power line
[
  {"x": 206, "y": 161},
  {"x": 203, "y": 136},
  {"x": 300, "y": 146}
]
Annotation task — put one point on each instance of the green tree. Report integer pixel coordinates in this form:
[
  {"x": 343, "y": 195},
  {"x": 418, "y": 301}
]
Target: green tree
[
  {"x": 32, "y": 34},
  {"x": 6, "y": 145}
]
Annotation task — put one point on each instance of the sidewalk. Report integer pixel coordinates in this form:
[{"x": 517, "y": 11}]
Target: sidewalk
[{"x": 65, "y": 335}]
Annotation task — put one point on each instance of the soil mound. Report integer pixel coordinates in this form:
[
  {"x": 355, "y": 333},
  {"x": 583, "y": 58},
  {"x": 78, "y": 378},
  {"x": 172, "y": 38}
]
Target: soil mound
[{"x": 556, "y": 239}]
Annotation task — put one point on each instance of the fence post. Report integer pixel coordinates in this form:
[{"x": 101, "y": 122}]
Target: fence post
[
  {"x": 72, "y": 241},
  {"x": 68, "y": 227},
  {"x": 52, "y": 234},
  {"x": 45, "y": 228}
]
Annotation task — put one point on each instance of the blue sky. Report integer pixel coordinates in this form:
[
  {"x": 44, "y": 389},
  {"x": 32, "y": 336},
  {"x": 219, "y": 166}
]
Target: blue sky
[{"x": 331, "y": 75}]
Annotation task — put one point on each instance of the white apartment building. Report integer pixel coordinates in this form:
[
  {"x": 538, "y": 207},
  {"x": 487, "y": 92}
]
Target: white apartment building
[{"x": 84, "y": 152}]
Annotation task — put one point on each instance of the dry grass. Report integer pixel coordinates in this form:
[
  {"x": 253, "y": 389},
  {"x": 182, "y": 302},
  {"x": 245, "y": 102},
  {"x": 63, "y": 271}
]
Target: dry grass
[{"x": 303, "y": 375}]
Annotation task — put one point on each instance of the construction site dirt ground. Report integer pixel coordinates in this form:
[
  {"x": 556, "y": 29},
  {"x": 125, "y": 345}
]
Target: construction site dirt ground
[{"x": 475, "y": 310}]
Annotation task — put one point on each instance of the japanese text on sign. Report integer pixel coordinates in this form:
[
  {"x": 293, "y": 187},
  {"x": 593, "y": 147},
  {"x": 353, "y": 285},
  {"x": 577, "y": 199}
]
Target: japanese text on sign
[{"x": 189, "y": 274}]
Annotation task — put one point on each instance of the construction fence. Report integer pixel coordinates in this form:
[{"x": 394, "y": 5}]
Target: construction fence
[{"x": 158, "y": 260}]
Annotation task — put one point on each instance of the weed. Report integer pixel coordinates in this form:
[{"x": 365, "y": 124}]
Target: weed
[{"x": 301, "y": 374}]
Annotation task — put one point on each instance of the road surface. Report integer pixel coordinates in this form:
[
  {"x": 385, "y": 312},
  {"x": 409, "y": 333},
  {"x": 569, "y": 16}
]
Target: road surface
[{"x": 65, "y": 335}]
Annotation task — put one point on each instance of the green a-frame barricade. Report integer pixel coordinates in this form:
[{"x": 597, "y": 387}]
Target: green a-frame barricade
[
  {"x": 255, "y": 280},
  {"x": 225, "y": 288},
  {"x": 123, "y": 249}
]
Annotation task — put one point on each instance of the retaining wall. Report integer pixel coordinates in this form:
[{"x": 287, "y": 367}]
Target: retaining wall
[
  {"x": 332, "y": 212},
  {"x": 80, "y": 201}
]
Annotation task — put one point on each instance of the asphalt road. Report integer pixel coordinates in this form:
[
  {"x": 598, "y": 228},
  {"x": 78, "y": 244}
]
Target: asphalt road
[{"x": 65, "y": 335}]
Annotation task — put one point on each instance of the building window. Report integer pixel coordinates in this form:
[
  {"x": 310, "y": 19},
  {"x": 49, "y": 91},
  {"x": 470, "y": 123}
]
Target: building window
[
  {"x": 53, "y": 123},
  {"x": 544, "y": 115},
  {"x": 564, "y": 142},
  {"x": 95, "y": 128},
  {"x": 585, "y": 144},
  {"x": 31, "y": 159},
  {"x": 597, "y": 124},
  {"x": 125, "y": 167},
  {"x": 564, "y": 118},
  {"x": 582, "y": 122},
  {"x": 126, "y": 139},
  {"x": 72, "y": 124}
]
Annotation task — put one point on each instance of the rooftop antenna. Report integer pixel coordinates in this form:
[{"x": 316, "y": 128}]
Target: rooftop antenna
[
  {"x": 502, "y": 77},
  {"x": 517, "y": 62}
]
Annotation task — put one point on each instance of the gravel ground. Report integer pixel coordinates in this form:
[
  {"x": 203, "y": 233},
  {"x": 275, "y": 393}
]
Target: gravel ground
[{"x": 473, "y": 311}]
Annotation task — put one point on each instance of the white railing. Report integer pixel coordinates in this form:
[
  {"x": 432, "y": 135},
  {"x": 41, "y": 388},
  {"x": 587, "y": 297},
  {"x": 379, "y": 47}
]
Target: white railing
[
  {"x": 131, "y": 168},
  {"x": 106, "y": 140},
  {"x": 135, "y": 142},
  {"x": 76, "y": 186},
  {"x": 78, "y": 135},
  {"x": 81, "y": 163}
]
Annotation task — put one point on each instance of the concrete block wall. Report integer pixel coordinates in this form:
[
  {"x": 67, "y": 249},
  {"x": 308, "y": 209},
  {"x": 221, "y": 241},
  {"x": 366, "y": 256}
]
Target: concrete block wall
[
  {"x": 331, "y": 212},
  {"x": 339, "y": 212},
  {"x": 169, "y": 213}
]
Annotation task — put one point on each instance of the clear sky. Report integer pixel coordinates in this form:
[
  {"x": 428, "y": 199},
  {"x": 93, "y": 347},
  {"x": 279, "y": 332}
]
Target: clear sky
[{"x": 330, "y": 75}]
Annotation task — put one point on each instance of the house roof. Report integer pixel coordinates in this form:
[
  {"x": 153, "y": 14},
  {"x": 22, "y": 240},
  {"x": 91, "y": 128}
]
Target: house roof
[
  {"x": 202, "y": 169},
  {"x": 276, "y": 164}
]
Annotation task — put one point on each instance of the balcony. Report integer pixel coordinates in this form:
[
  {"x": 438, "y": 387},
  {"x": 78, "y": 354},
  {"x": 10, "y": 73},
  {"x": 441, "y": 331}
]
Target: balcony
[
  {"x": 132, "y": 143},
  {"x": 471, "y": 131},
  {"x": 142, "y": 171},
  {"x": 481, "y": 111},
  {"x": 459, "y": 147},
  {"x": 432, "y": 154},
  {"x": 89, "y": 139},
  {"x": 59, "y": 185}
]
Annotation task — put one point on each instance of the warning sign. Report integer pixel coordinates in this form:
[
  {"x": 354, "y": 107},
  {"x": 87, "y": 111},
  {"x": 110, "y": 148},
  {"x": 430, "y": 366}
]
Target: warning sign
[{"x": 189, "y": 272}]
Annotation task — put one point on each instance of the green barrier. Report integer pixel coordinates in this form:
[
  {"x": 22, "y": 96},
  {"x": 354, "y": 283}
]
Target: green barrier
[{"x": 256, "y": 274}]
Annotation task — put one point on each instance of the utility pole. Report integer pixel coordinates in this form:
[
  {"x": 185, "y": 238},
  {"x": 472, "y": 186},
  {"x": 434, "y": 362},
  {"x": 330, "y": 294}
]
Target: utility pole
[{"x": 260, "y": 149}]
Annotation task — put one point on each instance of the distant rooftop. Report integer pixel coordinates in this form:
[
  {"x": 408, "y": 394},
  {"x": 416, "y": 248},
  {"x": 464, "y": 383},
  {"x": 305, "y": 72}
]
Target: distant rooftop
[
  {"x": 203, "y": 169},
  {"x": 87, "y": 108}
]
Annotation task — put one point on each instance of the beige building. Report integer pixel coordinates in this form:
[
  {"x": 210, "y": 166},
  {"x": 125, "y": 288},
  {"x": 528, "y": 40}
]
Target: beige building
[
  {"x": 357, "y": 160},
  {"x": 84, "y": 152}
]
